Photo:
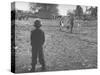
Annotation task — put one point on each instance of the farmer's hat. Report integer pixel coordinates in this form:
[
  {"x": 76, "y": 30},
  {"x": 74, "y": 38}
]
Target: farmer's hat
[{"x": 37, "y": 23}]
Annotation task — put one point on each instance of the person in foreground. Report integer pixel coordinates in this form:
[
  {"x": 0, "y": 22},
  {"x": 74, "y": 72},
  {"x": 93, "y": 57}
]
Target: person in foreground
[{"x": 37, "y": 41}]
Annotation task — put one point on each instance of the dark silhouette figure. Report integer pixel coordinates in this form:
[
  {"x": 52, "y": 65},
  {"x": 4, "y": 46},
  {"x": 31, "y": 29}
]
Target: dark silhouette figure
[
  {"x": 71, "y": 23},
  {"x": 37, "y": 41}
]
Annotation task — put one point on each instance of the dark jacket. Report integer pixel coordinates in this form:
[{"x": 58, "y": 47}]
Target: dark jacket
[{"x": 37, "y": 38}]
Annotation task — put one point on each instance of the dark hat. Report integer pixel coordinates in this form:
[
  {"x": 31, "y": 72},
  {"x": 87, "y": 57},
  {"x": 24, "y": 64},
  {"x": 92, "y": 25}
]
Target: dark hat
[{"x": 37, "y": 23}]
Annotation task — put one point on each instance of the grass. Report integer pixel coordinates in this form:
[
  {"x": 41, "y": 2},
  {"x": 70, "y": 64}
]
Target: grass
[{"x": 62, "y": 50}]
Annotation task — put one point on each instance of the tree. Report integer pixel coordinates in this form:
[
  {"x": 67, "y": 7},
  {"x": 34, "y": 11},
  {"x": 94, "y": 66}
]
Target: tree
[
  {"x": 93, "y": 11},
  {"x": 79, "y": 12},
  {"x": 44, "y": 10}
]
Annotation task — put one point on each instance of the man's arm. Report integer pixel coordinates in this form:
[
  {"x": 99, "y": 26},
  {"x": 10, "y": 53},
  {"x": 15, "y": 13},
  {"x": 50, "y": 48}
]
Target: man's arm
[
  {"x": 31, "y": 37},
  {"x": 43, "y": 38}
]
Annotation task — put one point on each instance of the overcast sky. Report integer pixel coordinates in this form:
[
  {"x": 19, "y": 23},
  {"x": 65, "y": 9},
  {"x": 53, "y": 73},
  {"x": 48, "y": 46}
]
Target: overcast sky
[{"x": 63, "y": 9}]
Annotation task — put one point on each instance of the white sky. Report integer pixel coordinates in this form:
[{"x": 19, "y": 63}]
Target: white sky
[
  {"x": 63, "y": 9},
  {"x": 22, "y": 6}
]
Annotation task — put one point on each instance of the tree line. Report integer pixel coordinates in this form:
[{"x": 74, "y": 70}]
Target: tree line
[
  {"x": 89, "y": 14},
  {"x": 49, "y": 11}
]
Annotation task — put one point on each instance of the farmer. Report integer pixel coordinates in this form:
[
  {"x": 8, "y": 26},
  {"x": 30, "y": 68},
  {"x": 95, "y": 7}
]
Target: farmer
[
  {"x": 37, "y": 41},
  {"x": 71, "y": 22}
]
